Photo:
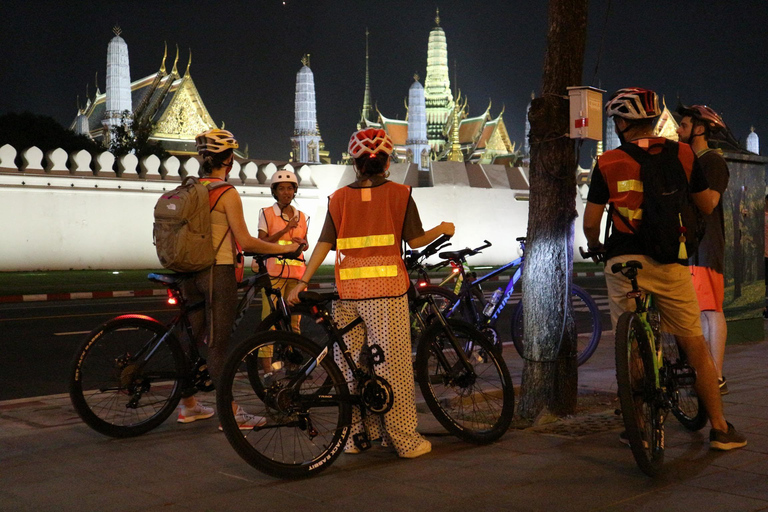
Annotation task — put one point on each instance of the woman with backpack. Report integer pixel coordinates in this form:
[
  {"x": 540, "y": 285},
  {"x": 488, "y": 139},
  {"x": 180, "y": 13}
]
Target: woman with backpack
[
  {"x": 217, "y": 285},
  {"x": 366, "y": 224}
]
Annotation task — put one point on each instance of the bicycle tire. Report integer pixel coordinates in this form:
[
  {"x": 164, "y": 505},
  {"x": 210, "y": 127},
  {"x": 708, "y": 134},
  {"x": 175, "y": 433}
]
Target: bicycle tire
[
  {"x": 586, "y": 315},
  {"x": 635, "y": 378},
  {"x": 687, "y": 406},
  {"x": 105, "y": 387},
  {"x": 297, "y": 440},
  {"x": 476, "y": 408}
]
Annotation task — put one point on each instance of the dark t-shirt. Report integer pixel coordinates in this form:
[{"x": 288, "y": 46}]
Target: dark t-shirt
[
  {"x": 711, "y": 252},
  {"x": 620, "y": 243},
  {"x": 412, "y": 227}
]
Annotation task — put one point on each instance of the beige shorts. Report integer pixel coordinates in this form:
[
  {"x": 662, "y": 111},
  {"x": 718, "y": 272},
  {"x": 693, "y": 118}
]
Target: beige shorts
[{"x": 671, "y": 286}]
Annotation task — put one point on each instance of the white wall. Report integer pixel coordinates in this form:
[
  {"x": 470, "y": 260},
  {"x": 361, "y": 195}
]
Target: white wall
[{"x": 54, "y": 220}]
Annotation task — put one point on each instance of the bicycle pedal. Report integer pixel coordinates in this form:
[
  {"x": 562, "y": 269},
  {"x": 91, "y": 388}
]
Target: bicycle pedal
[{"x": 361, "y": 441}]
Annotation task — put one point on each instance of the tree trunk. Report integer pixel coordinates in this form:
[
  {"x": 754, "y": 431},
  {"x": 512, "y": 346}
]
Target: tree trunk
[{"x": 550, "y": 373}]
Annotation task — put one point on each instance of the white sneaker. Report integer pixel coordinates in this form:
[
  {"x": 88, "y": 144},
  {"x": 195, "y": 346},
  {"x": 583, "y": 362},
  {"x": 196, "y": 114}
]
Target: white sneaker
[
  {"x": 424, "y": 447},
  {"x": 247, "y": 421},
  {"x": 198, "y": 412}
]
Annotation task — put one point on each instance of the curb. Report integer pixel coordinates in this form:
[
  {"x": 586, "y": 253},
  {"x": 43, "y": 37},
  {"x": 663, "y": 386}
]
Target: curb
[
  {"x": 152, "y": 292},
  {"x": 160, "y": 292}
]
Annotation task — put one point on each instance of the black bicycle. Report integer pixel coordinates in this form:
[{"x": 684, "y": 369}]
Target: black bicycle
[
  {"x": 128, "y": 376},
  {"x": 470, "y": 304},
  {"x": 306, "y": 404}
]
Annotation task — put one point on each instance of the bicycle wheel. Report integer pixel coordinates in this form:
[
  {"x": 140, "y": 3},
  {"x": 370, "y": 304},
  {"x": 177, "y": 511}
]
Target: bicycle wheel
[
  {"x": 586, "y": 316},
  {"x": 636, "y": 381},
  {"x": 475, "y": 406},
  {"x": 123, "y": 380},
  {"x": 305, "y": 425},
  {"x": 686, "y": 404}
]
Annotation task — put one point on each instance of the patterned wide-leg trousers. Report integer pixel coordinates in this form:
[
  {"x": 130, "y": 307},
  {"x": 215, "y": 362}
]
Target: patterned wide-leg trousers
[{"x": 387, "y": 325}]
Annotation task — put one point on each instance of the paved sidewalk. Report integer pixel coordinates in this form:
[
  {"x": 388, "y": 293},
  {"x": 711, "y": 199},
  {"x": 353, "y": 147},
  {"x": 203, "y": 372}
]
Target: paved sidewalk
[{"x": 49, "y": 460}]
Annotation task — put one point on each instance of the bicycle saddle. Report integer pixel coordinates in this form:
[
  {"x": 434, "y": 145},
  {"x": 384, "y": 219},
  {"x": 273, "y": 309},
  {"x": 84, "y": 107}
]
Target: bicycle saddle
[
  {"x": 456, "y": 255},
  {"x": 314, "y": 298},
  {"x": 618, "y": 267},
  {"x": 169, "y": 279}
]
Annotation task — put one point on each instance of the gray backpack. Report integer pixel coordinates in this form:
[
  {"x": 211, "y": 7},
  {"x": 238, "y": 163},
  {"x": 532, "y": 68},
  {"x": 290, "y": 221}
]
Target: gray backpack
[{"x": 182, "y": 228}]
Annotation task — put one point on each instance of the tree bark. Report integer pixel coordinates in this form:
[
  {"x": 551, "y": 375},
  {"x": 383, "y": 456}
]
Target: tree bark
[{"x": 550, "y": 375}]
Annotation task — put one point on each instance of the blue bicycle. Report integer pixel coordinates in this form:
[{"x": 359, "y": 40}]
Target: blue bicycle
[{"x": 470, "y": 304}]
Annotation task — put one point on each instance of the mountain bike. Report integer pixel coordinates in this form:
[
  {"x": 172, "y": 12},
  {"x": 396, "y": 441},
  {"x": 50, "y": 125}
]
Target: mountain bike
[
  {"x": 471, "y": 306},
  {"x": 128, "y": 376},
  {"x": 307, "y": 404},
  {"x": 653, "y": 377}
]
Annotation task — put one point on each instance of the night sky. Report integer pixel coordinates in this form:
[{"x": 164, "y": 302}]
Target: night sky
[{"x": 245, "y": 56}]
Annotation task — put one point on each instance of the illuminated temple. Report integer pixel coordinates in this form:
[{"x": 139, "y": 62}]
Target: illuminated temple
[
  {"x": 169, "y": 100},
  {"x": 452, "y": 134}
]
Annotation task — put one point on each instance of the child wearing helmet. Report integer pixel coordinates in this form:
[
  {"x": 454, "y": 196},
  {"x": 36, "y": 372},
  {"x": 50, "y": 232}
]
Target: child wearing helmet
[
  {"x": 282, "y": 223},
  {"x": 366, "y": 224},
  {"x": 217, "y": 285}
]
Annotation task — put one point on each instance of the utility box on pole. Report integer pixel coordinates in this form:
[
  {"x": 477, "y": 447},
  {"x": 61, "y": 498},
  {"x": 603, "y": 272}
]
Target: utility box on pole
[{"x": 586, "y": 108}]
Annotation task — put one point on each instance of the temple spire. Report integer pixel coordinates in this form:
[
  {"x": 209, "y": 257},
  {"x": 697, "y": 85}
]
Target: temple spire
[
  {"x": 118, "y": 94},
  {"x": 189, "y": 62},
  {"x": 437, "y": 88},
  {"x": 437, "y": 16},
  {"x": 366, "y": 112},
  {"x": 165, "y": 55},
  {"x": 175, "y": 70}
]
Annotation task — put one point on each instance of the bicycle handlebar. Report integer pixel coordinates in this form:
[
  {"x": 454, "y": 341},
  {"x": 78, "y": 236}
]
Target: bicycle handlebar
[
  {"x": 287, "y": 255},
  {"x": 413, "y": 256}
]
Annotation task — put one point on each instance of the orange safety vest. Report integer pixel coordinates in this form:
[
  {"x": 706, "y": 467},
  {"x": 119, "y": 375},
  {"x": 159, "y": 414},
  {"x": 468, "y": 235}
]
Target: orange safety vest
[
  {"x": 369, "y": 226},
  {"x": 622, "y": 175},
  {"x": 284, "y": 267}
]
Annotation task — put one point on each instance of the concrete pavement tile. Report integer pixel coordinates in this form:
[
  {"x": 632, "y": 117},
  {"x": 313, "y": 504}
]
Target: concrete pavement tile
[
  {"x": 747, "y": 410},
  {"x": 681, "y": 498},
  {"x": 735, "y": 483}
]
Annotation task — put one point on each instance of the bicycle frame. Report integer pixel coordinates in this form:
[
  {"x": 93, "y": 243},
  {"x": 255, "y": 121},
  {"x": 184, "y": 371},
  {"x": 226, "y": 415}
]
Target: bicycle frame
[{"x": 509, "y": 289}]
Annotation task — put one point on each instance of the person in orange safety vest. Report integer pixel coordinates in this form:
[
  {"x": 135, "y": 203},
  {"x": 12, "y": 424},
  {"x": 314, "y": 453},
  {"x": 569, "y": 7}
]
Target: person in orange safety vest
[
  {"x": 283, "y": 224},
  {"x": 366, "y": 224}
]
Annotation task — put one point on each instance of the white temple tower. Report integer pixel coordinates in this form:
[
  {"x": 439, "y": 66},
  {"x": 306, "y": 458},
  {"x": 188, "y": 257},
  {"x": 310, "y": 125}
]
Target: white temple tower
[
  {"x": 437, "y": 87},
  {"x": 753, "y": 142},
  {"x": 306, "y": 136},
  {"x": 118, "y": 93},
  {"x": 417, "y": 142}
]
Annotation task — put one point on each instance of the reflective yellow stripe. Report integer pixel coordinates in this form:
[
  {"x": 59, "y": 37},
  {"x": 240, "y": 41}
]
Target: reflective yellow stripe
[
  {"x": 359, "y": 242},
  {"x": 368, "y": 272},
  {"x": 630, "y": 185},
  {"x": 295, "y": 263},
  {"x": 631, "y": 214},
  {"x": 284, "y": 242}
]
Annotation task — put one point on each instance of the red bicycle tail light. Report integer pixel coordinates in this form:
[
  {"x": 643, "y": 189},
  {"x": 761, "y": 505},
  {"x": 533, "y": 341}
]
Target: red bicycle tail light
[
  {"x": 422, "y": 284},
  {"x": 172, "y": 298}
]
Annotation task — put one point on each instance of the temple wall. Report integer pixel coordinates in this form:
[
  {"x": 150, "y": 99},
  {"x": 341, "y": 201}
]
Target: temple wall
[{"x": 73, "y": 211}]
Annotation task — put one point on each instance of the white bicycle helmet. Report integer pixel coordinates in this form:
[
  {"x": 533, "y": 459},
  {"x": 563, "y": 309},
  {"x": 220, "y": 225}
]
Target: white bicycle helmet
[
  {"x": 284, "y": 176},
  {"x": 215, "y": 141},
  {"x": 633, "y": 103}
]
